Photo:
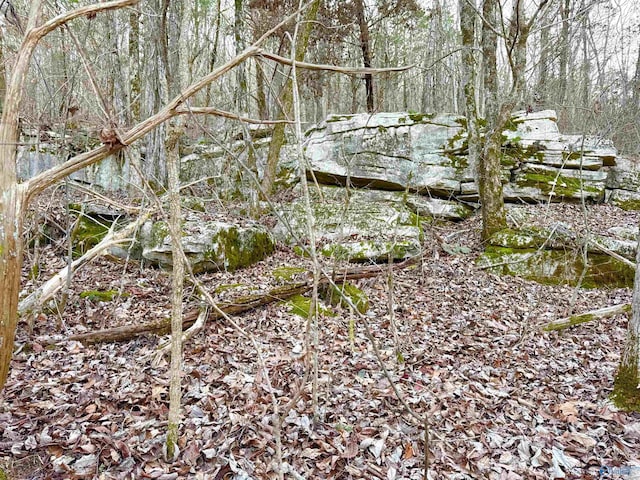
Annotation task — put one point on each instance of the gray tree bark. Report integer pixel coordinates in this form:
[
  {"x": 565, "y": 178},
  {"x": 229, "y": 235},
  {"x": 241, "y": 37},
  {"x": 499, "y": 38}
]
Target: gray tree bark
[{"x": 626, "y": 386}]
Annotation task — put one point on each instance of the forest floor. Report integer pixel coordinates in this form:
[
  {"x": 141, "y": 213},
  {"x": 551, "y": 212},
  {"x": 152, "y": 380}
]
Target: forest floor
[{"x": 501, "y": 398}]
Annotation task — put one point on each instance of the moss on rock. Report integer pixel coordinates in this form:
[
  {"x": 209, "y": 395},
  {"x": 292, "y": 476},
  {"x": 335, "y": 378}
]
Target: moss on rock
[
  {"x": 88, "y": 233},
  {"x": 301, "y": 306},
  {"x": 287, "y": 273},
  {"x": 555, "y": 267},
  {"x": 101, "y": 295},
  {"x": 338, "y": 295}
]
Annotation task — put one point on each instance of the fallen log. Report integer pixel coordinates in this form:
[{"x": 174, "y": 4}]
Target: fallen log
[
  {"x": 598, "y": 314},
  {"x": 239, "y": 305}
]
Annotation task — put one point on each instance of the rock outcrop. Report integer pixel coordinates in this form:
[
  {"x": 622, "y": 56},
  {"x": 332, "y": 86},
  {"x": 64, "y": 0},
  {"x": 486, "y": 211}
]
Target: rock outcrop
[
  {"x": 555, "y": 256},
  {"x": 354, "y": 225},
  {"x": 428, "y": 154},
  {"x": 400, "y": 164}
]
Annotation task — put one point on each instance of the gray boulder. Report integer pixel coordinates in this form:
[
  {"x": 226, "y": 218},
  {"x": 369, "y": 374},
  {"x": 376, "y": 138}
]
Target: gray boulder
[
  {"x": 208, "y": 245},
  {"x": 391, "y": 151},
  {"x": 354, "y": 225}
]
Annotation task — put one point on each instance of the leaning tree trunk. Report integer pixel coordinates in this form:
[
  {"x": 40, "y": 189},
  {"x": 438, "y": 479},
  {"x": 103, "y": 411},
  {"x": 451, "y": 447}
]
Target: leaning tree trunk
[
  {"x": 12, "y": 200},
  {"x": 277, "y": 137}
]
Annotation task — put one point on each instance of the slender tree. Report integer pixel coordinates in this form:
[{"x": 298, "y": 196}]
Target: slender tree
[
  {"x": 286, "y": 102},
  {"x": 469, "y": 68},
  {"x": 15, "y": 196},
  {"x": 365, "y": 46},
  {"x": 489, "y": 171},
  {"x": 626, "y": 388}
]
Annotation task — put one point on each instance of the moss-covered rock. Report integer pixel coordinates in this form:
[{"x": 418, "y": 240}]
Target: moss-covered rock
[
  {"x": 553, "y": 267},
  {"x": 88, "y": 233},
  {"x": 287, "y": 273},
  {"x": 208, "y": 245},
  {"x": 625, "y": 199},
  {"x": 101, "y": 295},
  {"x": 354, "y": 225},
  {"x": 543, "y": 183}
]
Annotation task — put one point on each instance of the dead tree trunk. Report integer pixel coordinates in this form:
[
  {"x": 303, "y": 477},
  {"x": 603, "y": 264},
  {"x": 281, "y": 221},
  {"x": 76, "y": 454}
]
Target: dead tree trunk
[
  {"x": 365, "y": 45},
  {"x": 14, "y": 195}
]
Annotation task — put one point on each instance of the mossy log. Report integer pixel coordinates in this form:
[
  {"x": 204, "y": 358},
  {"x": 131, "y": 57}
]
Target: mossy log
[
  {"x": 574, "y": 320},
  {"x": 239, "y": 305}
]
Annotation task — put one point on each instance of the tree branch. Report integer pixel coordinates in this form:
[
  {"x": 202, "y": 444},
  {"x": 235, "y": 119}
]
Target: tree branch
[
  {"x": 47, "y": 27},
  {"x": 331, "y": 68},
  {"x": 225, "y": 114}
]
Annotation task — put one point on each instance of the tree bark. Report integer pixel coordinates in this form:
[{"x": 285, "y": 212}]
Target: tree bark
[
  {"x": 489, "y": 171},
  {"x": 235, "y": 307},
  {"x": 14, "y": 196},
  {"x": 469, "y": 68},
  {"x": 365, "y": 45},
  {"x": 581, "y": 318},
  {"x": 177, "y": 67},
  {"x": 278, "y": 137},
  {"x": 565, "y": 51},
  {"x": 241, "y": 77},
  {"x": 626, "y": 386},
  {"x": 12, "y": 200}
]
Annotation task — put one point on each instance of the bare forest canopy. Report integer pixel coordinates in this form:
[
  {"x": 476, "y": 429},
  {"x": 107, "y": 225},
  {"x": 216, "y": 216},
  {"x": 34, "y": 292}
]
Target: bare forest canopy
[{"x": 582, "y": 61}]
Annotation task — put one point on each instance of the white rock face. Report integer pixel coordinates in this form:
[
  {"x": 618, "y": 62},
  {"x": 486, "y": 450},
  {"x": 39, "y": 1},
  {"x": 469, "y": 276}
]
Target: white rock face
[{"x": 427, "y": 154}]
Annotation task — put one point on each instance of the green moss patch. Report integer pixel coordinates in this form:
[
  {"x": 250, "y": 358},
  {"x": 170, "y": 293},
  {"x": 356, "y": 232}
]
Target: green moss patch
[
  {"x": 338, "y": 295},
  {"x": 549, "y": 182},
  {"x": 286, "y": 273},
  {"x": 555, "y": 267},
  {"x": 88, "y": 233},
  {"x": 628, "y": 205},
  {"x": 626, "y": 394},
  {"x": 301, "y": 306},
  {"x": 101, "y": 295}
]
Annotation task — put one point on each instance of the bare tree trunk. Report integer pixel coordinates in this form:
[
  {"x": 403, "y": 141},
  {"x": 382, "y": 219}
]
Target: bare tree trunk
[
  {"x": 489, "y": 171},
  {"x": 3, "y": 73},
  {"x": 586, "y": 64},
  {"x": 565, "y": 51},
  {"x": 365, "y": 45},
  {"x": 176, "y": 80},
  {"x": 12, "y": 201},
  {"x": 626, "y": 389},
  {"x": 155, "y": 89},
  {"x": 241, "y": 77},
  {"x": 214, "y": 52},
  {"x": 277, "y": 138},
  {"x": 469, "y": 69},
  {"x": 541, "y": 94},
  {"x": 490, "y": 66},
  {"x": 14, "y": 196},
  {"x": 261, "y": 98},
  {"x": 636, "y": 85}
]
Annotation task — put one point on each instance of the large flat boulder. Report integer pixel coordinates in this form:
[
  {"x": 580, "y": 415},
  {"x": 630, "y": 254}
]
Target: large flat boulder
[
  {"x": 554, "y": 256},
  {"x": 354, "y": 225},
  {"x": 392, "y": 151}
]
